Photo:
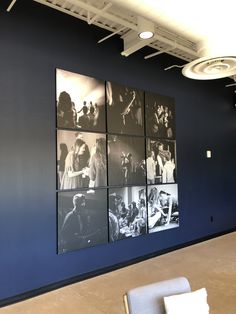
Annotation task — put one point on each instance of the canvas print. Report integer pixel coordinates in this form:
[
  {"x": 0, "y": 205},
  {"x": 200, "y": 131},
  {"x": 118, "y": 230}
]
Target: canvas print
[
  {"x": 160, "y": 116},
  {"x": 126, "y": 160},
  {"x": 82, "y": 219},
  {"x": 80, "y": 102},
  {"x": 161, "y": 161},
  {"x": 163, "y": 210},
  {"x": 127, "y": 212},
  {"x": 82, "y": 160},
  {"x": 125, "y": 109}
]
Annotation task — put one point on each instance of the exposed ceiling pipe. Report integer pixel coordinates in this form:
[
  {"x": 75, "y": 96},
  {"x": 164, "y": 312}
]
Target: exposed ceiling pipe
[{"x": 11, "y": 5}]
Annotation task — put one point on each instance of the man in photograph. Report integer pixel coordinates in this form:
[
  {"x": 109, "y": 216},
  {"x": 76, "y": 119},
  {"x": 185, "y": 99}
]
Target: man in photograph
[
  {"x": 114, "y": 227},
  {"x": 74, "y": 225}
]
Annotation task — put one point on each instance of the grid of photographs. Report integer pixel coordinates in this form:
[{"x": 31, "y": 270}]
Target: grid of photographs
[{"x": 116, "y": 162}]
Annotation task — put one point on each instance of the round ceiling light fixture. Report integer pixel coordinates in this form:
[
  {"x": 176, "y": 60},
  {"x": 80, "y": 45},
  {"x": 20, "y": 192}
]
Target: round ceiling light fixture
[
  {"x": 206, "y": 68},
  {"x": 145, "y": 28},
  {"x": 216, "y": 61}
]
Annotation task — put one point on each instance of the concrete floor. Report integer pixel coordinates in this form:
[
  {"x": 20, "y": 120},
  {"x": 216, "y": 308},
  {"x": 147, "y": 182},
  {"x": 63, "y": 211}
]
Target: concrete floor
[{"x": 210, "y": 264}]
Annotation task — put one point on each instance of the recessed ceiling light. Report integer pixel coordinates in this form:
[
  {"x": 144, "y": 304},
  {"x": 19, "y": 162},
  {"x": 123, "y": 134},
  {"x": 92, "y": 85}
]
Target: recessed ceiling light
[
  {"x": 146, "y": 35},
  {"x": 145, "y": 28}
]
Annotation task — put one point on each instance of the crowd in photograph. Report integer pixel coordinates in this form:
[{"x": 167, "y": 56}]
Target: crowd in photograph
[
  {"x": 160, "y": 121},
  {"x": 126, "y": 220},
  {"x": 87, "y": 118}
]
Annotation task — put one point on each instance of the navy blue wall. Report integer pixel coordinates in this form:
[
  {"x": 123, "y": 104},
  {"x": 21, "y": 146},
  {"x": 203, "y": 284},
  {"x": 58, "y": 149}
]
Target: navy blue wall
[{"x": 34, "y": 40}]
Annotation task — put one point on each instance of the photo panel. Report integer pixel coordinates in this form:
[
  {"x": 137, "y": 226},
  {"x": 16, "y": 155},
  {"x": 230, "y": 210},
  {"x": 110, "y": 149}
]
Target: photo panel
[
  {"x": 163, "y": 211},
  {"x": 80, "y": 102},
  {"x": 160, "y": 116},
  {"x": 125, "y": 109},
  {"x": 82, "y": 160},
  {"x": 126, "y": 160},
  {"x": 127, "y": 212},
  {"x": 161, "y": 161},
  {"x": 82, "y": 219}
]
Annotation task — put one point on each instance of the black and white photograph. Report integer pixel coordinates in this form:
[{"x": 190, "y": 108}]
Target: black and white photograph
[
  {"x": 161, "y": 161},
  {"x": 80, "y": 102},
  {"x": 125, "y": 109},
  {"x": 127, "y": 212},
  {"x": 82, "y": 219},
  {"x": 160, "y": 116},
  {"x": 126, "y": 160},
  {"x": 163, "y": 211},
  {"x": 81, "y": 160}
]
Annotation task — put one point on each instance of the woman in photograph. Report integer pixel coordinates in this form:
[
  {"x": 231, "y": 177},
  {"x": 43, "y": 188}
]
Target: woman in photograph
[
  {"x": 97, "y": 171},
  {"x": 61, "y": 161},
  {"x": 65, "y": 114},
  {"x": 76, "y": 167}
]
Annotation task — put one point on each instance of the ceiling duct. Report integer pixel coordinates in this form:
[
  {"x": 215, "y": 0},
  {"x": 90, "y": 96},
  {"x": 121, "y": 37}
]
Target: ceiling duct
[{"x": 217, "y": 60}]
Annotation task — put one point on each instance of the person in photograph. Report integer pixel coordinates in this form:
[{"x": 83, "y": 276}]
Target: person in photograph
[
  {"x": 162, "y": 157},
  {"x": 151, "y": 168},
  {"x": 84, "y": 122},
  {"x": 141, "y": 218},
  {"x": 65, "y": 114},
  {"x": 74, "y": 114},
  {"x": 114, "y": 227},
  {"x": 167, "y": 123},
  {"x": 168, "y": 205},
  {"x": 61, "y": 161},
  {"x": 91, "y": 116},
  {"x": 155, "y": 213},
  {"x": 133, "y": 212},
  {"x": 84, "y": 105},
  {"x": 97, "y": 116},
  {"x": 73, "y": 225},
  {"x": 126, "y": 165},
  {"x": 123, "y": 210},
  {"x": 76, "y": 166},
  {"x": 128, "y": 109},
  {"x": 168, "y": 170},
  {"x": 153, "y": 195},
  {"x": 123, "y": 221},
  {"x": 97, "y": 171},
  {"x": 159, "y": 122}
]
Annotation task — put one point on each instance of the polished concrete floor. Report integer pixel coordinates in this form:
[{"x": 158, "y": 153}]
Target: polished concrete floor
[{"x": 210, "y": 264}]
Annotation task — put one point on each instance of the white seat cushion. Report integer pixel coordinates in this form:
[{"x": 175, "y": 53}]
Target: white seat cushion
[{"x": 187, "y": 303}]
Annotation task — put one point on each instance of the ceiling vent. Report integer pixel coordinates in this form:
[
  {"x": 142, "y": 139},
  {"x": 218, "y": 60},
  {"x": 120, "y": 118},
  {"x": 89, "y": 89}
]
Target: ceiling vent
[{"x": 217, "y": 60}]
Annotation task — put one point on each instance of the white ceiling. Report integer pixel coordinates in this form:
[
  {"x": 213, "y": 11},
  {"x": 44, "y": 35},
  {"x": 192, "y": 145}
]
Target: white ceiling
[{"x": 180, "y": 26}]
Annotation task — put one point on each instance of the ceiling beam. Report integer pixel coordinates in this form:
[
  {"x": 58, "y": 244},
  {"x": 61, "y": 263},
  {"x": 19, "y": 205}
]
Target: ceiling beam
[
  {"x": 96, "y": 16},
  {"x": 132, "y": 26}
]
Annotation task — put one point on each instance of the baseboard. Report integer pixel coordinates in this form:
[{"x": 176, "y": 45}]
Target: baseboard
[{"x": 61, "y": 284}]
